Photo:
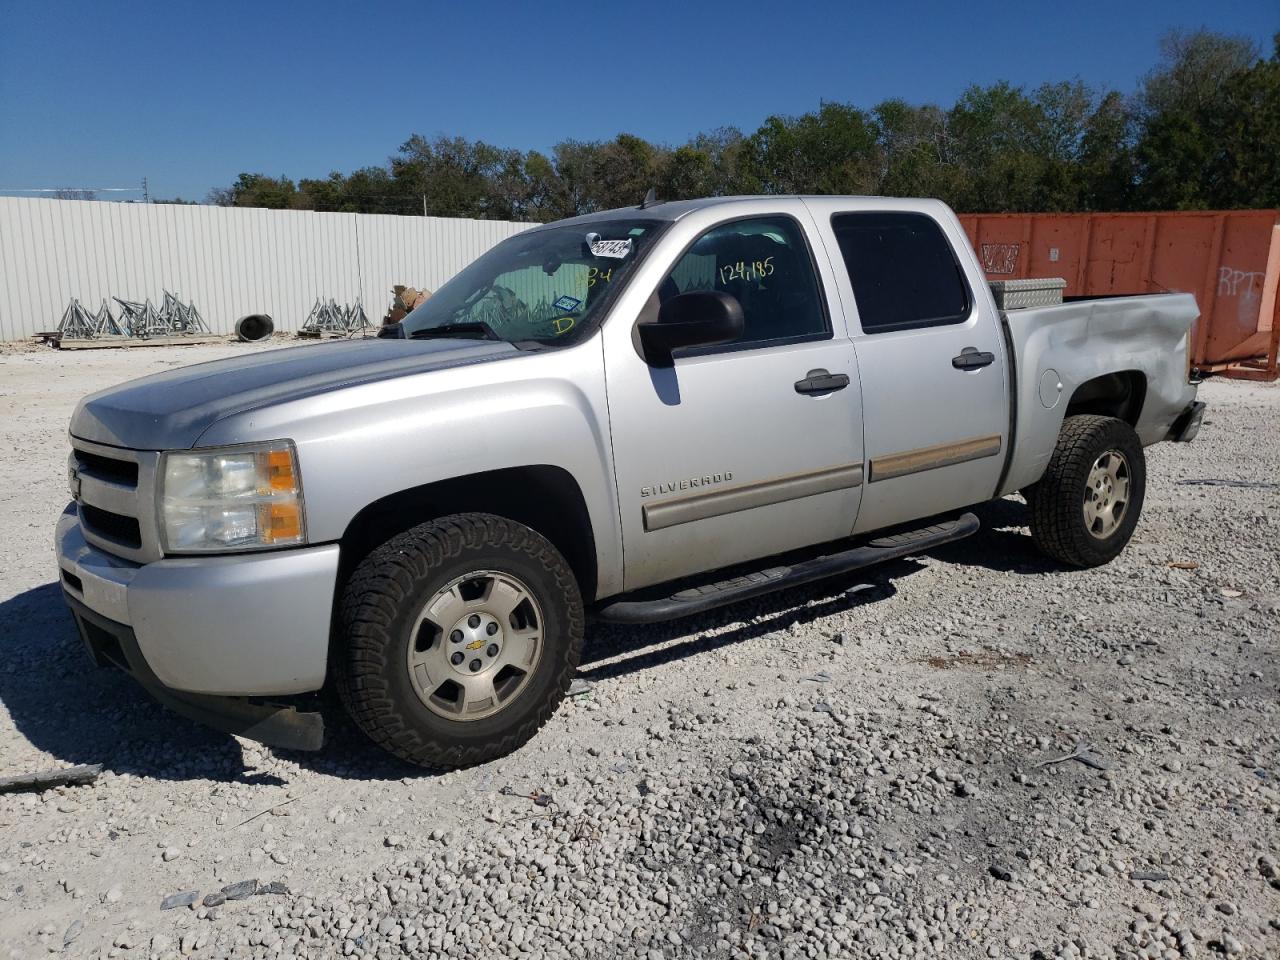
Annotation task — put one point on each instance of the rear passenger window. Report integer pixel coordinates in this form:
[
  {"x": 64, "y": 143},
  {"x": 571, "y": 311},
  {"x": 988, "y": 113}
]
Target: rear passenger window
[
  {"x": 903, "y": 270},
  {"x": 765, "y": 263}
]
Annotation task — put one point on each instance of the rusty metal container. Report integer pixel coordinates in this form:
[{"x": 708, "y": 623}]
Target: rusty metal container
[{"x": 1230, "y": 260}]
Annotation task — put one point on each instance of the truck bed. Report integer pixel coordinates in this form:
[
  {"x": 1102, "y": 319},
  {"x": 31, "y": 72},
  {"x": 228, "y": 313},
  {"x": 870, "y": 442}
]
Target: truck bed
[{"x": 1088, "y": 337}]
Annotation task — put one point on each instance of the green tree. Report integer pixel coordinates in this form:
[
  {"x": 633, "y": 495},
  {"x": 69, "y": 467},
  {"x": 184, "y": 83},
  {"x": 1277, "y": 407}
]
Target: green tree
[
  {"x": 917, "y": 152},
  {"x": 257, "y": 190},
  {"x": 454, "y": 177},
  {"x": 1171, "y": 158},
  {"x": 1106, "y": 158},
  {"x": 710, "y": 165},
  {"x": 574, "y": 163},
  {"x": 830, "y": 151},
  {"x": 624, "y": 169},
  {"x": 1202, "y": 130},
  {"x": 1210, "y": 129},
  {"x": 998, "y": 144},
  {"x": 550, "y": 196},
  {"x": 73, "y": 193},
  {"x": 1243, "y": 130},
  {"x": 1193, "y": 66}
]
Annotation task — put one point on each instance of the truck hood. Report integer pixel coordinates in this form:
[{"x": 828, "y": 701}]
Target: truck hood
[{"x": 169, "y": 411}]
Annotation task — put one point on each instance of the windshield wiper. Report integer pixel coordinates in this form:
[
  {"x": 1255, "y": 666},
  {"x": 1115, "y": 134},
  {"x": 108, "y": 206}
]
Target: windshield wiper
[{"x": 476, "y": 329}]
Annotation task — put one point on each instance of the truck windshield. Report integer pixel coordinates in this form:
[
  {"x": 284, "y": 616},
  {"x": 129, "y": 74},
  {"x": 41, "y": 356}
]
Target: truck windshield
[{"x": 549, "y": 285}]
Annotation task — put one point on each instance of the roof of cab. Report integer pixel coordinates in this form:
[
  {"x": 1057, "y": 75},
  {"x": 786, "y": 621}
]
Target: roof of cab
[
  {"x": 675, "y": 209},
  {"x": 660, "y": 210}
]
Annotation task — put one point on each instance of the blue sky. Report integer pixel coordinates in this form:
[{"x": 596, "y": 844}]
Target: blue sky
[{"x": 191, "y": 94}]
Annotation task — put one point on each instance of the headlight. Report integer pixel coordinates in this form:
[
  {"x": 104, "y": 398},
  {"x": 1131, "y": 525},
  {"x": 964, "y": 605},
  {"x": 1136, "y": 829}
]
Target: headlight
[{"x": 235, "y": 498}]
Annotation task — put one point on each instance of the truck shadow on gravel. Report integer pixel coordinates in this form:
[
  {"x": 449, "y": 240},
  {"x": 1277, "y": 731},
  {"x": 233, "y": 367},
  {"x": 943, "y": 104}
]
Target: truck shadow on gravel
[
  {"x": 756, "y": 618},
  {"x": 77, "y": 713},
  {"x": 1001, "y": 544},
  {"x": 71, "y": 710}
]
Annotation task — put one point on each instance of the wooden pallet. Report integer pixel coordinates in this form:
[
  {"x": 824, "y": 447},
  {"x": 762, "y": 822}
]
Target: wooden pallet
[{"x": 107, "y": 343}]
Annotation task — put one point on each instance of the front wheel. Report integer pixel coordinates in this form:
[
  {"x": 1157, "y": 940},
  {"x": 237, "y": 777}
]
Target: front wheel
[
  {"x": 1086, "y": 506},
  {"x": 462, "y": 636}
]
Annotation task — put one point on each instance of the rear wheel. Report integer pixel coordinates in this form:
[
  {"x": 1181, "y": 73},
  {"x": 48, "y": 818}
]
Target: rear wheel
[
  {"x": 1086, "y": 506},
  {"x": 462, "y": 636}
]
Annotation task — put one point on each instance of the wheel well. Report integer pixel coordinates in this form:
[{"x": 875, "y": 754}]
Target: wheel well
[
  {"x": 544, "y": 498},
  {"x": 1119, "y": 395}
]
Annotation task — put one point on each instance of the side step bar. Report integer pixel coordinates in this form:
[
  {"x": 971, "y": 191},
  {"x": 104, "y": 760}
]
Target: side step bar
[{"x": 709, "y": 596}]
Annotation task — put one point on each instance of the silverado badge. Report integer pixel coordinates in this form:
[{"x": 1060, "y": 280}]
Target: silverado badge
[{"x": 671, "y": 486}]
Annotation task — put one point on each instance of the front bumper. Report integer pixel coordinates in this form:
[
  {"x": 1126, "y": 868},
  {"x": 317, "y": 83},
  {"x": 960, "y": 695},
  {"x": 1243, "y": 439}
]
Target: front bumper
[
  {"x": 114, "y": 644},
  {"x": 206, "y": 628}
]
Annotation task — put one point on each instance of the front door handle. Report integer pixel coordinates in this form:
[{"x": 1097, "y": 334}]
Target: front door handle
[
  {"x": 822, "y": 381},
  {"x": 971, "y": 358}
]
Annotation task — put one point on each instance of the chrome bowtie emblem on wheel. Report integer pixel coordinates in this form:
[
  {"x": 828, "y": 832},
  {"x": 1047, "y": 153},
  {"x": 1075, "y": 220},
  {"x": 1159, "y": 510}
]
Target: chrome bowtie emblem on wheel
[
  {"x": 1106, "y": 497},
  {"x": 475, "y": 645}
]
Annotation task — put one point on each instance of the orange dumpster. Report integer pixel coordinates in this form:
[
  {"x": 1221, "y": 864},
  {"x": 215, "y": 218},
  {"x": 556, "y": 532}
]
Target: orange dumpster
[{"x": 1230, "y": 260}]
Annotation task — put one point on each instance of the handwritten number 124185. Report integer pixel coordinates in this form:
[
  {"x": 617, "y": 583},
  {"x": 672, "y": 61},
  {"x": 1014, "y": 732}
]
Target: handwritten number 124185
[{"x": 756, "y": 270}]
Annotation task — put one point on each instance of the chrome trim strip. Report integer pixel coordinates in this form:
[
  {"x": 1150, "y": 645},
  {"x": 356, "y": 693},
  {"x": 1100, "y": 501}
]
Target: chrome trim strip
[
  {"x": 931, "y": 458},
  {"x": 748, "y": 496}
]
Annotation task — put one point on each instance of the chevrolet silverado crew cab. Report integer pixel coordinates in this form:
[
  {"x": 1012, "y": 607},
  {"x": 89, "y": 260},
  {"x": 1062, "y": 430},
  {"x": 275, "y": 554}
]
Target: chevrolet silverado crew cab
[{"x": 634, "y": 415}]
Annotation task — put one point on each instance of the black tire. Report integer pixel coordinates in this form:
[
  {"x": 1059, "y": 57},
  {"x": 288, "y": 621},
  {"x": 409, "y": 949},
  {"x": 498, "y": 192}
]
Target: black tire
[
  {"x": 378, "y": 610},
  {"x": 1056, "y": 501}
]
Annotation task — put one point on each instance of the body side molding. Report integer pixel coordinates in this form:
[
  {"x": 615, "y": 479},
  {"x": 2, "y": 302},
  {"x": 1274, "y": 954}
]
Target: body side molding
[
  {"x": 747, "y": 496},
  {"x": 931, "y": 458}
]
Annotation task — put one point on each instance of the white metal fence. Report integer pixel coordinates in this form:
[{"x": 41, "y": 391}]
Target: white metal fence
[{"x": 229, "y": 261}]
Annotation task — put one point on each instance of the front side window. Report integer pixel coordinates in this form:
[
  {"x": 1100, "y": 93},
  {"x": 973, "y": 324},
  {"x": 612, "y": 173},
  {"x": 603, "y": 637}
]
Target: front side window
[
  {"x": 550, "y": 285},
  {"x": 903, "y": 271},
  {"x": 765, "y": 264}
]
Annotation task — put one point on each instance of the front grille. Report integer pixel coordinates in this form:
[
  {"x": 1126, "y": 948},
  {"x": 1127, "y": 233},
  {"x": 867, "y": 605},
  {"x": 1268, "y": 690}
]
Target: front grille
[
  {"x": 107, "y": 468},
  {"x": 115, "y": 527},
  {"x": 115, "y": 492}
]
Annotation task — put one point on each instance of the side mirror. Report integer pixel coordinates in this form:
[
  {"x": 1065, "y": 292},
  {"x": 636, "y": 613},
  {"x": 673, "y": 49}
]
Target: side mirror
[{"x": 699, "y": 318}]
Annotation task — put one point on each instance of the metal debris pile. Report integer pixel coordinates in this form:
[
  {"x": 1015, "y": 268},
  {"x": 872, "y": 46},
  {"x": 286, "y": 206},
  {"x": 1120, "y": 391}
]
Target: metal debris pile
[
  {"x": 144, "y": 320},
  {"x": 328, "y": 318}
]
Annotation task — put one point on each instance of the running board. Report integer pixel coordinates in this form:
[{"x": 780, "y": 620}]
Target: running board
[{"x": 709, "y": 596}]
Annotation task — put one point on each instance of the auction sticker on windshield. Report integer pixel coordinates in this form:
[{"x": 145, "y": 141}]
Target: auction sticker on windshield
[
  {"x": 614, "y": 249},
  {"x": 567, "y": 304}
]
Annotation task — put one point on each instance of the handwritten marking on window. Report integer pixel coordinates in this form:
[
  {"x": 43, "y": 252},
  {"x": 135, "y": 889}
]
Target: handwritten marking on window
[{"x": 756, "y": 270}]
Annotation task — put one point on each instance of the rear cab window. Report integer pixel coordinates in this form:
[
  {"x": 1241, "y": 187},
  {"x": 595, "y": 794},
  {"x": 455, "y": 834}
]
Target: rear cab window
[{"x": 903, "y": 270}]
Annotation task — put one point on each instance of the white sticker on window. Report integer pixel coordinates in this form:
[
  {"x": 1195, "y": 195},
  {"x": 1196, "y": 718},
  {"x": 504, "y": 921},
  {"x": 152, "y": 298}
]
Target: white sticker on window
[{"x": 614, "y": 249}]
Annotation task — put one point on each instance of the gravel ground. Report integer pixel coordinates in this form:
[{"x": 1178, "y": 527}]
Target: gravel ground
[{"x": 967, "y": 754}]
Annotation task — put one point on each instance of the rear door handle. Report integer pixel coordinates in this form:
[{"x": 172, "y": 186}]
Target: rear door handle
[
  {"x": 971, "y": 358},
  {"x": 822, "y": 381}
]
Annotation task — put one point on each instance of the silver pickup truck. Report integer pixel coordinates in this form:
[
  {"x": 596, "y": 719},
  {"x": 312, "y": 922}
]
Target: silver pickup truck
[{"x": 597, "y": 417}]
